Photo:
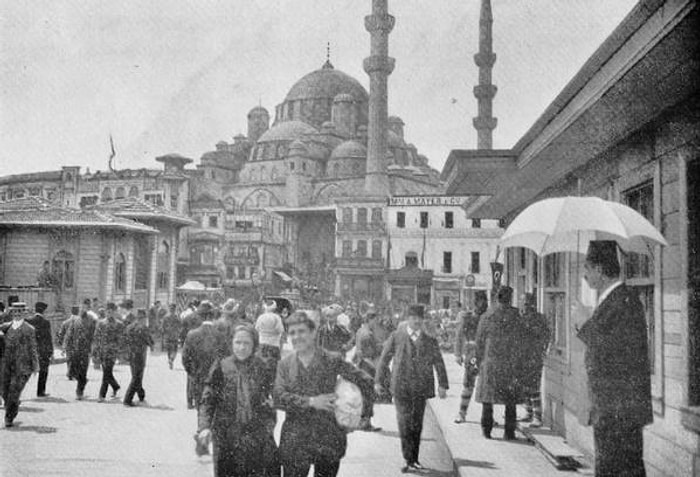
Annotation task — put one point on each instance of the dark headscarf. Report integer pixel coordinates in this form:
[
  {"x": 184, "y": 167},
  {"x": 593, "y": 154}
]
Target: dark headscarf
[{"x": 244, "y": 408}]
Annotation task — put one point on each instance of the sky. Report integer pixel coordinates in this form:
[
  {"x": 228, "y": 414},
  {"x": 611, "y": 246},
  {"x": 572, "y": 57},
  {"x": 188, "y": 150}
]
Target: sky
[{"x": 165, "y": 76}]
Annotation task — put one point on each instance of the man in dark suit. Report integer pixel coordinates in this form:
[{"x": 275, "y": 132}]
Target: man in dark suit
[
  {"x": 203, "y": 345},
  {"x": 78, "y": 343},
  {"x": 138, "y": 340},
  {"x": 44, "y": 343},
  {"x": 415, "y": 355},
  {"x": 617, "y": 364},
  {"x": 20, "y": 360}
]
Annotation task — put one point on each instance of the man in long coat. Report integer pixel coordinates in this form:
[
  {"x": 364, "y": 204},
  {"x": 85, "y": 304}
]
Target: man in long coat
[
  {"x": 465, "y": 350},
  {"x": 19, "y": 361},
  {"x": 78, "y": 343},
  {"x": 500, "y": 349},
  {"x": 44, "y": 343},
  {"x": 203, "y": 346},
  {"x": 617, "y": 364},
  {"x": 138, "y": 340},
  {"x": 537, "y": 336},
  {"x": 109, "y": 338},
  {"x": 415, "y": 355}
]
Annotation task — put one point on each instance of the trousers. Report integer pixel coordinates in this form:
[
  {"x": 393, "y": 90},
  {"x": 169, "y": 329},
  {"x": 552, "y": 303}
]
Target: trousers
[
  {"x": 321, "y": 469},
  {"x": 12, "y": 389},
  {"x": 138, "y": 366},
  {"x": 79, "y": 368},
  {"x": 44, "y": 364},
  {"x": 487, "y": 418},
  {"x": 409, "y": 414},
  {"x": 108, "y": 376}
]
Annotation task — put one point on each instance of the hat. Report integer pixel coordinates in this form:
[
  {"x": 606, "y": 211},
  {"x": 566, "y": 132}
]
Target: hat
[
  {"x": 602, "y": 252},
  {"x": 270, "y": 306},
  {"x": 87, "y": 302},
  {"x": 40, "y": 307},
  {"x": 416, "y": 310}
]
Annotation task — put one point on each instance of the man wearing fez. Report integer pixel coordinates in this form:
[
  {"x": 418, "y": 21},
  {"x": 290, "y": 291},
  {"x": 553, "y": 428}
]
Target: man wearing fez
[
  {"x": 617, "y": 364},
  {"x": 44, "y": 343},
  {"x": 138, "y": 340},
  {"x": 415, "y": 354},
  {"x": 20, "y": 360}
]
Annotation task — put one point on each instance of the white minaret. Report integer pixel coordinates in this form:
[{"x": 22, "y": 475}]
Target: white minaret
[{"x": 485, "y": 123}]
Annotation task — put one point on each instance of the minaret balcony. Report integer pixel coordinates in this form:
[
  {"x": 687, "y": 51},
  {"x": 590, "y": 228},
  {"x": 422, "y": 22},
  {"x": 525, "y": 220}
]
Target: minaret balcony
[
  {"x": 485, "y": 60},
  {"x": 381, "y": 64},
  {"x": 485, "y": 123},
  {"x": 485, "y": 91},
  {"x": 379, "y": 23}
]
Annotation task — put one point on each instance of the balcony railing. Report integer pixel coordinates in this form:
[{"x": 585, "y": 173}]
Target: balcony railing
[
  {"x": 361, "y": 226},
  {"x": 359, "y": 262}
]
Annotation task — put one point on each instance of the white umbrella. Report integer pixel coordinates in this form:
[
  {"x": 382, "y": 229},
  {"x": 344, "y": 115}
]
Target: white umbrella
[{"x": 564, "y": 224}]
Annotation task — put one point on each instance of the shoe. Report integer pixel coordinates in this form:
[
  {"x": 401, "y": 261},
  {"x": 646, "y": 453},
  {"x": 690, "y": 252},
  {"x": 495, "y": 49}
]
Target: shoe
[
  {"x": 115, "y": 391},
  {"x": 43, "y": 395},
  {"x": 405, "y": 468},
  {"x": 486, "y": 434},
  {"x": 8, "y": 423},
  {"x": 417, "y": 465},
  {"x": 100, "y": 399},
  {"x": 79, "y": 397},
  {"x": 536, "y": 423},
  {"x": 142, "y": 397},
  {"x": 129, "y": 404},
  {"x": 509, "y": 436},
  {"x": 460, "y": 419}
]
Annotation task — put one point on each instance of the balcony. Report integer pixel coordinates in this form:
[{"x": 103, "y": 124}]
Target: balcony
[
  {"x": 361, "y": 227},
  {"x": 359, "y": 262}
]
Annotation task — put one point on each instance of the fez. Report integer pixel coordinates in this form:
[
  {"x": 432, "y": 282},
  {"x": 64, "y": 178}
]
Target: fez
[
  {"x": 40, "y": 307},
  {"x": 602, "y": 251},
  {"x": 416, "y": 310}
]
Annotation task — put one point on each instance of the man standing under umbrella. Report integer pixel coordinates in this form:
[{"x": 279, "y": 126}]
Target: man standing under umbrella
[{"x": 617, "y": 364}]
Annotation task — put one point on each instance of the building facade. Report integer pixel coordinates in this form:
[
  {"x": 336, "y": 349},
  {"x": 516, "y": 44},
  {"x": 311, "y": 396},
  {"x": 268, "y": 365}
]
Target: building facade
[{"x": 626, "y": 128}]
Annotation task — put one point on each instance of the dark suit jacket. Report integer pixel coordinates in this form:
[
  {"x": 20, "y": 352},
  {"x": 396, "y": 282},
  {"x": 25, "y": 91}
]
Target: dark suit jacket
[
  {"x": 44, "y": 339},
  {"x": 20, "y": 350},
  {"x": 202, "y": 348},
  {"x": 412, "y": 370},
  {"x": 617, "y": 359}
]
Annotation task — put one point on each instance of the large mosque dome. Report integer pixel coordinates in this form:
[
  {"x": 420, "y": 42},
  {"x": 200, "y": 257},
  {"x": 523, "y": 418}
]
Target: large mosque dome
[{"x": 311, "y": 98}]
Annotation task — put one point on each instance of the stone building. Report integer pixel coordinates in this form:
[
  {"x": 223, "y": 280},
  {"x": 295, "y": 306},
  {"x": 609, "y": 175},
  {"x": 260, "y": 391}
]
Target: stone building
[{"x": 625, "y": 128}]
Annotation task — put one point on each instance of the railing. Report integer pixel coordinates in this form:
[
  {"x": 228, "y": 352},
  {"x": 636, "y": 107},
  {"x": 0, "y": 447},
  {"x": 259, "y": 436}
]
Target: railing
[
  {"x": 361, "y": 226},
  {"x": 359, "y": 262}
]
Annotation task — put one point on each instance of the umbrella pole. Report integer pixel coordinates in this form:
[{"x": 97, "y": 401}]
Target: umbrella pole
[{"x": 578, "y": 260}]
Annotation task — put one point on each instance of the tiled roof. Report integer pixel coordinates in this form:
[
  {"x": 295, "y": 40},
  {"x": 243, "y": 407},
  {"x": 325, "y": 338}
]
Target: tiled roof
[
  {"x": 134, "y": 208},
  {"x": 31, "y": 177},
  {"x": 33, "y": 211}
]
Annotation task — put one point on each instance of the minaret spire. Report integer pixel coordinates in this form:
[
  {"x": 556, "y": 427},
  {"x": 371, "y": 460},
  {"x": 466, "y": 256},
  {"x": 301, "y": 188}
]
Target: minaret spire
[
  {"x": 328, "y": 64},
  {"x": 484, "y": 92},
  {"x": 378, "y": 66}
]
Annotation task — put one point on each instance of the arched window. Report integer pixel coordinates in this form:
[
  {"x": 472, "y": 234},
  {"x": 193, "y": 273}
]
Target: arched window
[
  {"x": 273, "y": 173},
  {"x": 134, "y": 191},
  {"x": 263, "y": 172},
  {"x": 361, "y": 248},
  {"x": 63, "y": 268},
  {"x": 120, "y": 193},
  {"x": 120, "y": 273},
  {"x": 376, "y": 249},
  {"x": 163, "y": 265},
  {"x": 361, "y": 215},
  {"x": 106, "y": 194}
]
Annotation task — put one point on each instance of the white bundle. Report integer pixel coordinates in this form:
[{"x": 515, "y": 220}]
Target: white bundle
[{"x": 348, "y": 404}]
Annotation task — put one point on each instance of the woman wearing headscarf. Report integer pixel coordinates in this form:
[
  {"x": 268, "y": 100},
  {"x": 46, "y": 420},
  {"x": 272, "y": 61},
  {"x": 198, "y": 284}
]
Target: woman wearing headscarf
[{"x": 236, "y": 412}]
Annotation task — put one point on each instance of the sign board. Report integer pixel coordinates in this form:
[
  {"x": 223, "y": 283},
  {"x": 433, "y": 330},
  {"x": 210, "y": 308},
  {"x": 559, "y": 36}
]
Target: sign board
[
  {"x": 470, "y": 281},
  {"x": 426, "y": 201}
]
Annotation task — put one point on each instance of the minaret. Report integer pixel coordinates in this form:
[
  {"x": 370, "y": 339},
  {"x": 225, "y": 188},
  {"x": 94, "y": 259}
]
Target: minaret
[
  {"x": 485, "y": 123},
  {"x": 378, "y": 66}
]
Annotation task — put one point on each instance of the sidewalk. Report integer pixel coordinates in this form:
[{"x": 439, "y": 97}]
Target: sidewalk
[{"x": 475, "y": 456}]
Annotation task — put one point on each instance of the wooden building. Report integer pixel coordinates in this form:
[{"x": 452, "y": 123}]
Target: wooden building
[{"x": 625, "y": 128}]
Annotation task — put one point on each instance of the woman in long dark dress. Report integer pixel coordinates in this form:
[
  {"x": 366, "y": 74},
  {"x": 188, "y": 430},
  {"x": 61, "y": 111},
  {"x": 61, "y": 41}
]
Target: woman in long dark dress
[{"x": 236, "y": 414}]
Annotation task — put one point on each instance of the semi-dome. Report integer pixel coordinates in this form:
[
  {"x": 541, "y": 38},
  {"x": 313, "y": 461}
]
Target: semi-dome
[
  {"x": 394, "y": 140},
  {"x": 349, "y": 149},
  {"x": 287, "y": 131},
  {"x": 326, "y": 83}
]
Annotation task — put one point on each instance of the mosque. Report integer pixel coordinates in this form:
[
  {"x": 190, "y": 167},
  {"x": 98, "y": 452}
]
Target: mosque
[{"x": 300, "y": 200}]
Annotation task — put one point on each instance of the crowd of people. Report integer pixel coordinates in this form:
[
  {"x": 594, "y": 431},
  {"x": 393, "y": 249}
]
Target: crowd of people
[{"x": 238, "y": 374}]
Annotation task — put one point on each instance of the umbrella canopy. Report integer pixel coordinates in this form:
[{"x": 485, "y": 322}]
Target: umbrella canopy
[{"x": 566, "y": 224}]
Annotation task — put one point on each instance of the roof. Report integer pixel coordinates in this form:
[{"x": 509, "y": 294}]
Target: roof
[
  {"x": 41, "y": 213},
  {"x": 287, "y": 131},
  {"x": 134, "y": 208},
  {"x": 326, "y": 83},
  {"x": 349, "y": 149},
  {"x": 174, "y": 157},
  {"x": 31, "y": 177}
]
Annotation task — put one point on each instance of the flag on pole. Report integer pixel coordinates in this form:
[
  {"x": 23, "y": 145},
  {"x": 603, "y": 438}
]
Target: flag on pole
[{"x": 112, "y": 153}]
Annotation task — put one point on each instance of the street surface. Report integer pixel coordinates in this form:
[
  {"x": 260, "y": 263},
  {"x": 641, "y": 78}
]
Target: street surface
[{"x": 59, "y": 436}]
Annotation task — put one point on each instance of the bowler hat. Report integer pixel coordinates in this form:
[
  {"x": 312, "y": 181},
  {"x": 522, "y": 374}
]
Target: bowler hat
[
  {"x": 40, "y": 307},
  {"x": 602, "y": 251},
  {"x": 416, "y": 310}
]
